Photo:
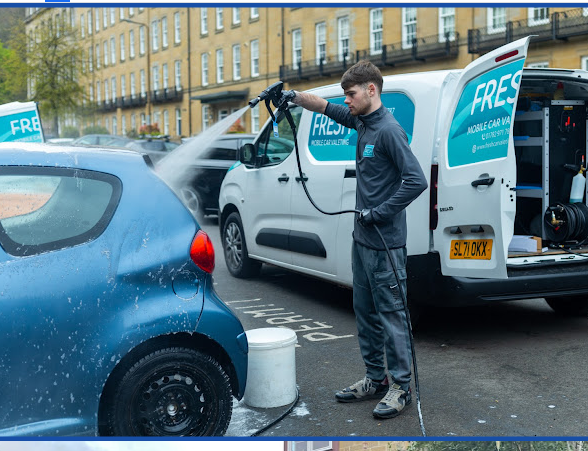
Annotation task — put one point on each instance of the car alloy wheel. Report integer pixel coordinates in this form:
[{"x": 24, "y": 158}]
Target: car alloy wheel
[{"x": 235, "y": 249}]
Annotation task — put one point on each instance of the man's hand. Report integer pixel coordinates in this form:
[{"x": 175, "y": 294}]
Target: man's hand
[
  {"x": 365, "y": 217},
  {"x": 287, "y": 96}
]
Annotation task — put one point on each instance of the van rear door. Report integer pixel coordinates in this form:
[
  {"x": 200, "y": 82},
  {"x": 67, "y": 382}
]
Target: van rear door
[{"x": 477, "y": 168}]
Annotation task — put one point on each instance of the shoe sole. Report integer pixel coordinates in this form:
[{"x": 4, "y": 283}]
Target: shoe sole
[
  {"x": 363, "y": 398},
  {"x": 385, "y": 416}
]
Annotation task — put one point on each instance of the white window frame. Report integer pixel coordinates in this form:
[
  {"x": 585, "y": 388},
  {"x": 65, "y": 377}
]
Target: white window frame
[
  {"x": 491, "y": 14},
  {"x": 343, "y": 37},
  {"x": 409, "y": 26},
  {"x": 255, "y": 119},
  {"x": 97, "y": 54},
  {"x": 237, "y": 62},
  {"x": 254, "y": 13},
  {"x": 538, "y": 65},
  {"x": 106, "y": 52},
  {"x": 123, "y": 86},
  {"x": 131, "y": 44},
  {"x": 178, "y": 122},
  {"x": 131, "y": 11},
  {"x": 112, "y": 50},
  {"x": 123, "y": 54},
  {"x": 104, "y": 18},
  {"x": 121, "y": 13},
  {"x": 164, "y": 41},
  {"x": 112, "y": 16},
  {"x": 254, "y": 46},
  {"x": 142, "y": 40},
  {"x": 219, "y": 19},
  {"x": 532, "y": 21},
  {"x": 133, "y": 86},
  {"x": 133, "y": 119},
  {"x": 91, "y": 59},
  {"x": 90, "y": 22},
  {"x": 154, "y": 36},
  {"x": 113, "y": 88},
  {"x": 220, "y": 66},
  {"x": 376, "y": 30},
  {"x": 97, "y": 20},
  {"x": 155, "y": 77},
  {"x": 82, "y": 26},
  {"x": 236, "y": 16},
  {"x": 164, "y": 76},
  {"x": 165, "y": 122},
  {"x": 178, "y": 74},
  {"x": 584, "y": 61},
  {"x": 203, "y": 20},
  {"x": 321, "y": 42},
  {"x": 107, "y": 124},
  {"x": 296, "y": 47},
  {"x": 205, "y": 116},
  {"x": 204, "y": 68},
  {"x": 177, "y": 31},
  {"x": 106, "y": 85},
  {"x": 123, "y": 124},
  {"x": 91, "y": 93},
  {"x": 143, "y": 83},
  {"x": 446, "y": 15}
]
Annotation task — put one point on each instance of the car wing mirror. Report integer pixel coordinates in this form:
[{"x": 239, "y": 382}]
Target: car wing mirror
[{"x": 247, "y": 154}]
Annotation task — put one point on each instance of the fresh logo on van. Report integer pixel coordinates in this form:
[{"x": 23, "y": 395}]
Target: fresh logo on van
[
  {"x": 481, "y": 125},
  {"x": 368, "y": 151},
  {"x": 329, "y": 141}
]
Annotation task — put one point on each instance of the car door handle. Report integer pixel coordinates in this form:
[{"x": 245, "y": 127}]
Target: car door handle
[
  {"x": 283, "y": 178},
  {"x": 486, "y": 181},
  {"x": 304, "y": 177}
]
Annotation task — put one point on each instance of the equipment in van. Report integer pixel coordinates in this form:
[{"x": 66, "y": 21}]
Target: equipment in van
[{"x": 281, "y": 100}]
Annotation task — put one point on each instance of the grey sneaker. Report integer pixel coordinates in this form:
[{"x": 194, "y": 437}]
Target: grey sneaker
[
  {"x": 392, "y": 404},
  {"x": 362, "y": 390}
]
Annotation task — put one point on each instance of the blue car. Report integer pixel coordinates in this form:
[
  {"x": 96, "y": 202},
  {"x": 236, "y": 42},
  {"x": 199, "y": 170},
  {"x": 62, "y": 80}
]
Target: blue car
[{"x": 109, "y": 321}]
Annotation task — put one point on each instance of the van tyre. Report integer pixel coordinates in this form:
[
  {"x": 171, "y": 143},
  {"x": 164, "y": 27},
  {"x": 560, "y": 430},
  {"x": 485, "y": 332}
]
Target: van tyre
[
  {"x": 171, "y": 392},
  {"x": 235, "y": 249},
  {"x": 569, "y": 305}
]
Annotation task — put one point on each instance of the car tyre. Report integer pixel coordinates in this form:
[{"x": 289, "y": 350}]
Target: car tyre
[
  {"x": 171, "y": 392},
  {"x": 235, "y": 249},
  {"x": 569, "y": 305},
  {"x": 192, "y": 200}
]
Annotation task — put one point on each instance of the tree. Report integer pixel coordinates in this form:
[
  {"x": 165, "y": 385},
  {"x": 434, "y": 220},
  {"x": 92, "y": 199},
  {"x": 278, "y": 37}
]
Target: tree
[{"x": 51, "y": 65}]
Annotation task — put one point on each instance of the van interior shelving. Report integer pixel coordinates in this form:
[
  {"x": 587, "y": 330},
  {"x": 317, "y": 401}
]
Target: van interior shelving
[{"x": 549, "y": 135}]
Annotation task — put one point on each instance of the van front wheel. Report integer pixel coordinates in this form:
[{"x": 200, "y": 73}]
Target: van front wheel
[
  {"x": 569, "y": 305},
  {"x": 235, "y": 249}
]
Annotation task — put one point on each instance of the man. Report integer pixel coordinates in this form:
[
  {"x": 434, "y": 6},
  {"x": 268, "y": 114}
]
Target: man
[{"x": 389, "y": 178}]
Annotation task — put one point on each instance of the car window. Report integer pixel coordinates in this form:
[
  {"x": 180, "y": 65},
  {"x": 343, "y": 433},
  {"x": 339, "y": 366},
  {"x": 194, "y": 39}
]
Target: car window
[
  {"x": 222, "y": 153},
  {"x": 276, "y": 149},
  {"x": 170, "y": 146},
  {"x": 45, "y": 209},
  {"x": 152, "y": 145},
  {"x": 87, "y": 140}
]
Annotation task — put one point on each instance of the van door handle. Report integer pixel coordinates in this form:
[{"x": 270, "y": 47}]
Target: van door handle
[
  {"x": 304, "y": 177},
  {"x": 487, "y": 181},
  {"x": 283, "y": 178}
]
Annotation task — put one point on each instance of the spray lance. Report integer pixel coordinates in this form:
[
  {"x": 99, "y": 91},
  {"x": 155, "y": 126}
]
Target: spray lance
[{"x": 280, "y": 99}]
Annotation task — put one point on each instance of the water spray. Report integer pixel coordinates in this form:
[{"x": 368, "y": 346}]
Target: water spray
[{"x": 273, "y": 94}]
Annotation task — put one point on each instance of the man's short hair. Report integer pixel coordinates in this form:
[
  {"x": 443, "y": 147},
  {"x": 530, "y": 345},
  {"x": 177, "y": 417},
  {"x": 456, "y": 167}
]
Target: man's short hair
[{"x": 361, "y": 73}]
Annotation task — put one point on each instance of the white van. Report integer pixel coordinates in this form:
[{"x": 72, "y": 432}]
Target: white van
[{"x": 492, "y": 140}]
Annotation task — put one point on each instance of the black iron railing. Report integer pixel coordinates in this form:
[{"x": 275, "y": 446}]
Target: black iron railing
[
  {"x": 390, "y": 55},
  {"x": 167, "y": 95},
  {"x": 560, "y": 25}
]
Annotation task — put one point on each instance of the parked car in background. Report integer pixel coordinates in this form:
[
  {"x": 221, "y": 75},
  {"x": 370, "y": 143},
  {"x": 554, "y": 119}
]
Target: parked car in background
[
  {"x": 109, "y": 321},
  {"x": 101, "y": 140},
  {"x": 207, "y": 172},
  {"x": 155, "y": 148}
]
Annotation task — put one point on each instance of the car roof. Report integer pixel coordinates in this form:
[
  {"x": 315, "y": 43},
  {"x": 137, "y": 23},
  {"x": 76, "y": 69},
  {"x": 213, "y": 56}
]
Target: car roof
[{"x": 41, "y": 154}]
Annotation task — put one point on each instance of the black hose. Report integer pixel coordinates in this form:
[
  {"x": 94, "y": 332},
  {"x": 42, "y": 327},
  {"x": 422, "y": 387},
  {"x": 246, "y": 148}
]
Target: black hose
[
  {"x": 280, "y": 418},
  {"x": 402, "y": 293}
]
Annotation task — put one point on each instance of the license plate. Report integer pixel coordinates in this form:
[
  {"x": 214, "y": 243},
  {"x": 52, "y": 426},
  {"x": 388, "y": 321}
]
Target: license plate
[{"x": 470, "y": 250}]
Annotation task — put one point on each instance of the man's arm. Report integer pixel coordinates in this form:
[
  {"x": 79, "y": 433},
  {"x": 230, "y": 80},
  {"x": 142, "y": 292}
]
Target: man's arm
[{"x": 310, "y": 102}]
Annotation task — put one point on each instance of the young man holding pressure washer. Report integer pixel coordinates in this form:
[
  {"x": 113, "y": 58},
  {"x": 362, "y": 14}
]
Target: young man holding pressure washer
[{"x": 389, "y": 178}]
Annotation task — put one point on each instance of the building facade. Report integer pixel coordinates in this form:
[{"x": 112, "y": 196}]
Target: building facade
[{"x": 187, "y": 68}]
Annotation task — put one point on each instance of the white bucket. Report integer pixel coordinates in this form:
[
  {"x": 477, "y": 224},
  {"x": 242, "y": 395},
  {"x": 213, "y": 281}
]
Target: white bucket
[{"x": 271, "y": 371}]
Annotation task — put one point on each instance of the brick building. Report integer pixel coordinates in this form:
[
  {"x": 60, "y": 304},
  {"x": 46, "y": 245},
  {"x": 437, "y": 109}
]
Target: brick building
[{"x": 186, "y": 68}]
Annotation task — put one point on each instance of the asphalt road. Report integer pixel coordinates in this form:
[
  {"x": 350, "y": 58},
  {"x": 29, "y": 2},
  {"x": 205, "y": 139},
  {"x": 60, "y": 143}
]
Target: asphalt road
[{"x": 508, "y": 369}]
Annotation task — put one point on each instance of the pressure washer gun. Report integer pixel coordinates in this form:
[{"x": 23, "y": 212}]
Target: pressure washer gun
[{"x": 273, "y": 93}]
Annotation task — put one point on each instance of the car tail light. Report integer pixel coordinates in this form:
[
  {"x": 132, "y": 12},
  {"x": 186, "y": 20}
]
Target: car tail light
[{"x": 202, "y": 252}]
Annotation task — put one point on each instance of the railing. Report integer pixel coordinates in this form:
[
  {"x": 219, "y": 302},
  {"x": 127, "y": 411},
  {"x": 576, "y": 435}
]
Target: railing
[
  {"x": 107, "y": 105},
  {"x": 560, "y": 25},
  {"x": 390, "y": 55},
  {"x": 167, "y": 95}
]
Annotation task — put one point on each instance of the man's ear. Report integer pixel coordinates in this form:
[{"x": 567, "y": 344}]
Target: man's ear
[{"x": 372, "y": 90}]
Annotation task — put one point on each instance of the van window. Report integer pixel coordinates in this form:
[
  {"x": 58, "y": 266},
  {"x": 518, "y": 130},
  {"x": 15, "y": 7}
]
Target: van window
[
  {"x": 276, "y": 149},
  {"x": 329, "y": 141},
  {"x": 45, "y": 209}
]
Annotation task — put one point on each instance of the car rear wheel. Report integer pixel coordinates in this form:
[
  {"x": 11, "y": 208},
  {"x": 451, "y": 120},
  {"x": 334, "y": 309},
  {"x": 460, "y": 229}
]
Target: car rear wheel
[
  {"x": 171, "y": 392},
  {"x": 192, "y": 201},
  {"x": 235, "y": 249},
  {"x": 569, "y": 305}
]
